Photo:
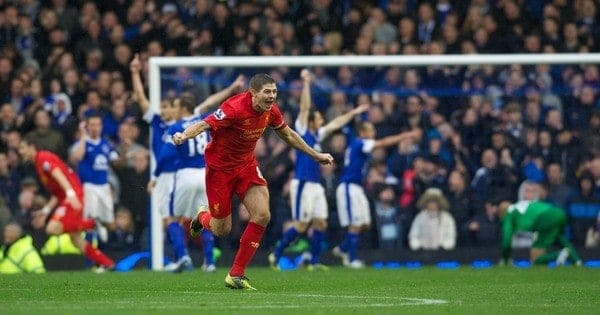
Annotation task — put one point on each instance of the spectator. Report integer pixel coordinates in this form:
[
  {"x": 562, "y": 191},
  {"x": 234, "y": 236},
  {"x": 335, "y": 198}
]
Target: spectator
[
  {"x": 591, "y": 136},
  {"x": 8, "y": 117},
  {"x": 582, "y": 208},
  {"x": 127, "y": 144},
  {"x": 401, "y": 159},
  {"x": 460, "y": 199},
  {"x": 47, "y": 137},
  {"x": 388, "y": 220},
  {"x": 5, "y": 215},
  {"x": 484, "y": 228},
  {"x": 115, "y": 118},
  {"x": 492, "y": 179},
  {"x": 6, "y": 75},
  {"x": 9, "y": 183},
  {"x": 134, "y": 181},
  {"x": 427, "y": 27},
  {"x": 17, "y": 253},
  {"x": 62, "y": 113},
  {"x": 124, "y": 236},
  {"x": 433, "y": 228},
  {"x": 558, "y": 191}
]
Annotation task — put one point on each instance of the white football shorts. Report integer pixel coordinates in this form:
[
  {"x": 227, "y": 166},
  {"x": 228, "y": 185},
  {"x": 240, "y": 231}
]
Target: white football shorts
[
  {"x": 353, "y": 205},
  {"x": 190, "y": 191},
  {"x": 308, "y": 200},
  {"x": 98, "y": 202},
  {"x": 162, "y": 194}
]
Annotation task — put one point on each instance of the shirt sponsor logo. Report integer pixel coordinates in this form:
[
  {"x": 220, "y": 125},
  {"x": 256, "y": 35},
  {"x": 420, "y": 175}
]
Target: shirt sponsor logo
[{"x": 252, "y": 134}]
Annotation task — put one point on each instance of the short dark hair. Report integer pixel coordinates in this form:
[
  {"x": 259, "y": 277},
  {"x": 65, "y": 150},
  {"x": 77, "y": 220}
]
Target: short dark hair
[
  {"x": 362, "y": 125},
  {"x": 188, "y": 101},
  {"x": 92, "y": 115},
  {"x": 258, "y": 80},
  {"x": 31, "y": 141},
  {"x": 312, "y": 113}
]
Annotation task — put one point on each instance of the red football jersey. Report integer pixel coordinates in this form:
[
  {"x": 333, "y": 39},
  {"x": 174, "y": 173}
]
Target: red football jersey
[
  {"x": 235, "y": 129},
  {"x": 45, "y": 163}
]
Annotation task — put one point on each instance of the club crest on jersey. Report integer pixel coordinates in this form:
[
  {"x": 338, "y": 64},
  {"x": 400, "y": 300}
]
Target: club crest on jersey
[{"x": 219, "y": 114}]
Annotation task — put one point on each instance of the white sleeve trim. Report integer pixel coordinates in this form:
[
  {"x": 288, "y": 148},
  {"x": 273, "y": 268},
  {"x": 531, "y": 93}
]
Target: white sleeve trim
[
  {"x": 149, "y": 115},
  {"x": 113, "y": 156},
  {"x": 300, "y": 128},
  {"x": 321, "y": 134},
  {"x": 368, "y": 145}
]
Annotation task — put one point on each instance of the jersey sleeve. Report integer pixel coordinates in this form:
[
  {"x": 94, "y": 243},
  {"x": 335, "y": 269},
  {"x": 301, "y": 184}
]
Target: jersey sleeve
[
  {"x": 299, "y": 127},
  {"x": 113, "y": 155},
  {"x": 150, "y": 115},
  {"x": 321, "y": 134},
  {"x": 47, "y": 162},
  {"x": 221, "y": 118},
  {"x": 276, "y": 122},
  {"x": 168, "y": 151},
  {"x": 367, "y": 145}
]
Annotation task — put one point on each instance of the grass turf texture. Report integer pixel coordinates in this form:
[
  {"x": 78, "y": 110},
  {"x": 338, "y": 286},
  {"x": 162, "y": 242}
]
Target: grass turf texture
[{"x": 537, "y": 290}]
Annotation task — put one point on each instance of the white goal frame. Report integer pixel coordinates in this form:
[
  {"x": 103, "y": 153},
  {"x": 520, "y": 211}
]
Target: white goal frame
[{"x": 156, "y": 63}]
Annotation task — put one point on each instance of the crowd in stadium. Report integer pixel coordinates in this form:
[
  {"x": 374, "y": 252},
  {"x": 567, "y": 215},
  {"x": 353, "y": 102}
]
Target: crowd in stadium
[{"x": 487, "y": 129}]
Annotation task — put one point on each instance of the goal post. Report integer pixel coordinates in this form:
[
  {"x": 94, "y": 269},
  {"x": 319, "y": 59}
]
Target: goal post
[{"x": 158, "y": 63}]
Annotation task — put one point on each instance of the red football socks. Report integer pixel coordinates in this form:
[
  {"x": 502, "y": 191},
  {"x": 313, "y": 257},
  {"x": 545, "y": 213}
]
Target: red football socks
[
  {"x": 97, "y": 256},
  {"x": 204, "y": 218},
  {"x": 248, "y": 245}
]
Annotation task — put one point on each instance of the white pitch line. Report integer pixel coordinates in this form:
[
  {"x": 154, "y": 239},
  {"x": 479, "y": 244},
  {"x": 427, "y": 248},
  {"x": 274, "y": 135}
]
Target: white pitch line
[
  {"x": 399, "y": 301},
  {"x": 161, "y": 305}
]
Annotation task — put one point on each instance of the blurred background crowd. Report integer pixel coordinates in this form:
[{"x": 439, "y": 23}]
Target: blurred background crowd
[{"x": 487, "y": 129}]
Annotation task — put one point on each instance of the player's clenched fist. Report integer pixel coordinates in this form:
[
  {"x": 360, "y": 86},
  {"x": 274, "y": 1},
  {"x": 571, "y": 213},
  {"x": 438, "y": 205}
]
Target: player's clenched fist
[
  {"x": 324, "y": 158},
  {"x": 178, "y": 138}
]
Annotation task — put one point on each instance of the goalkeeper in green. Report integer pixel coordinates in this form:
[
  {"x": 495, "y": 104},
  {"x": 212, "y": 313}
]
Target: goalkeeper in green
[{"x": 548, "y": 224}]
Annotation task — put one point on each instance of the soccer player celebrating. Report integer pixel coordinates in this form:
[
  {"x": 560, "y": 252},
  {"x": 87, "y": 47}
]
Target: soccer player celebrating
[
  {"x": 307, "y": 195},
  {"x": 66, "y": 201},
  {"x": 549, "y": 224},
  {"x": 162, "y": 180},
  {"x": 189, "y": 190},
  {"x": 92, "y": 155},
  {"x": 353, "y": 205},
  {"x": 231, "y": 167}
]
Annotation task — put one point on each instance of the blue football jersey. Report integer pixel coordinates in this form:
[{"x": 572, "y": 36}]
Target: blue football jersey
[
  {"x": 357, "y": 155},
  {"x": 189, "y": 154},
  {"x": 308, "y": 169},
  {"x": 160, "y": 136},
  {"x": 93, "y": 168}
]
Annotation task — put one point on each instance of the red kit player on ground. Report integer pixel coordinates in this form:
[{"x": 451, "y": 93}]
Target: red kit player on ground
[
  {"x": 231, "y": 167},
  {"x": 66, "y": 201}
]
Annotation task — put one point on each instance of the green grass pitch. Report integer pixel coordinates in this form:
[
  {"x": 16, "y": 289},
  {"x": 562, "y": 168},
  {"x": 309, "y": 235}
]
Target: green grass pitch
[{"x": 538, "y": 290}]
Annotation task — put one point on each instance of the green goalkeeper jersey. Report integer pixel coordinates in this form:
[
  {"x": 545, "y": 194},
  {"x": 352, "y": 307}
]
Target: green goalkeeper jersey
[{"x": 524, "y": 216}]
